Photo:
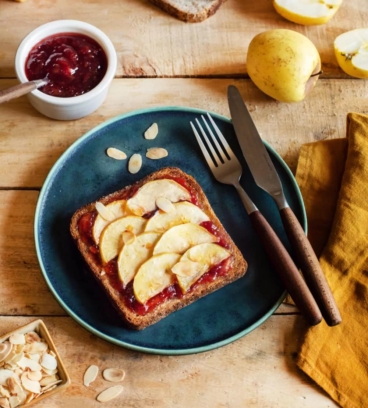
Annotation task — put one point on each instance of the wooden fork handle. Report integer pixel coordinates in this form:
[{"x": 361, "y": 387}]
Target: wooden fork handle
[
  {"x": 310, "y": 267},
  {"x": 286, "y": 269}
]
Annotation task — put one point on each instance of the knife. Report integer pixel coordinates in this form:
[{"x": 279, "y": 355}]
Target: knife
[{"x": 266, "y": 177}]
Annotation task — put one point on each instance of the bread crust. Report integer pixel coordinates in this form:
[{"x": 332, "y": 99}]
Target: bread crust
[
  {"x": 132, "y": 319},
  {"x": 198, "y": 14}
]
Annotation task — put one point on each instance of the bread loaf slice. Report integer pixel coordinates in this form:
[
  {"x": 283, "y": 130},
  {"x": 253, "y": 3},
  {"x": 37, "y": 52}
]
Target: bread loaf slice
[
  {"x": 139, "y": 316},
  {"x": 191, "y": 11}
]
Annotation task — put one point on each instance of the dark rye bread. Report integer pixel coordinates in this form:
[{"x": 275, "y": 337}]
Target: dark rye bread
[
  {"x": 190, "y": 11},
  {"x": 134, "y": 320}
]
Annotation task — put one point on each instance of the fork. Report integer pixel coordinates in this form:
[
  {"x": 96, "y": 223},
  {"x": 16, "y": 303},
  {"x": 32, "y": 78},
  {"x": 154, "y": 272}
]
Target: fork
[{"x": 227, "y": 169}]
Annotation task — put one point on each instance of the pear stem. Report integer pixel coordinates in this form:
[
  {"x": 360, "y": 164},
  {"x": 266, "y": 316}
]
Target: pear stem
[{"x": 317, "y": 73}]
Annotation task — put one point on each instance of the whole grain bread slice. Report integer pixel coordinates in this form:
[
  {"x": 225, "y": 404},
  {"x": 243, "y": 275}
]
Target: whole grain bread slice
[
  {"x": 192, "y": 11},
  {"x": 132, "y": 319}
]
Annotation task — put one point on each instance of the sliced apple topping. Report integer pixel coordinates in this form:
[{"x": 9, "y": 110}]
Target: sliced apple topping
[
  {"x": 154, "y": 276},
  {"x": 351, "y": 51},
  {"x": 181, "y": 237},
  {"x": 106, "y": 214},
  {"x": 111, "y": 240},
  {"x": 184, "y": 212},
  {"x": 144, "y": 201},
  {"x": 307, "y": 12},
  {"x": 132, "y": 256},
  {"x": 196, "y": 262}
]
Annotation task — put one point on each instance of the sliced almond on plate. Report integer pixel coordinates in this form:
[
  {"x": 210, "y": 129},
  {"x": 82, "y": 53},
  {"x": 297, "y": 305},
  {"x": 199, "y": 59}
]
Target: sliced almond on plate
[
  {"x": 135, "y": 163},
  {"x": 156, "y": 153},
  {"x": 110, "y": 393},
  {"x": 17, "y": 338},
  {"x": 116, "y": 154},
  {"x": 151, "y": 132}
]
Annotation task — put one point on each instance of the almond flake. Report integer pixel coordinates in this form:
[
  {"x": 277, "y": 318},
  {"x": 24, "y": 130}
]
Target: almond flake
[
  {"x": 34, "y": 375},
  {"x": 113, "y": 374},
  {"x": 29, "y": 385},
  {"x": 116, "y": 153},
  {"x": 135, "y": 163},
  {"x": 17, "y": 338},
  {"x": 110, "y": 393},
  {"x": 151, "y": 132},
  {"x": 31, "y": 337},
  {"x": 104, "y": 211},
  {"x": 4, "y": 402},
  {"x": 5, "y": 350},
  {"x": 51, "y": 385},
  {"x": 50, "y": 379},
  {"x": 90, "y": 375},
  {"x": 156, "y": 153},
  {"x": 165, "y": 204},
  {"x": 48, "y": 361}
]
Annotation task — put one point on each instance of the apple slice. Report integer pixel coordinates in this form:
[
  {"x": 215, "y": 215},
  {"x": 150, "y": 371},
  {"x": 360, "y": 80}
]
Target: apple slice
[
  {"x": 196, "y": 262},
  {"x": 133, "y": 255},
  {"x": 181, "y": 237},
  {"x": 154, "y": 276},
  {"x": 307, "y": 12},
  {"x": 144, "y": 201},
  {"x": 111, "y": 240},
  {"x": 117, "y": 209},
  {"x": 351, "y": 51},
  {"x": 184, "y": 212}
]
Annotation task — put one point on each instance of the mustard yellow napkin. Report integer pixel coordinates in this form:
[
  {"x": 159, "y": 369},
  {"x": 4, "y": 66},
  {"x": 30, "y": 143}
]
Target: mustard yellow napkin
[{"x": 333, "y": 177}]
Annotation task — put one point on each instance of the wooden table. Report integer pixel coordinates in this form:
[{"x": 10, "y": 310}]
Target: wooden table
[{"x": 163, "y": 61}]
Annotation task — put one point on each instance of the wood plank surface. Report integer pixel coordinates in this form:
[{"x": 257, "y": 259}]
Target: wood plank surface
[
  {"x": 29, "y": 147},
  {"x": 23, "y": 290},
  {"x": 258, "y": 370},
  {"x": 151, "y": 43}
]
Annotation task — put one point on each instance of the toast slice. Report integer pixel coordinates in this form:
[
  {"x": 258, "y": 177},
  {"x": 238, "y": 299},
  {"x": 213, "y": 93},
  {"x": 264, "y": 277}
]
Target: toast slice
[
  {"x": 191, "y": 11},
  {"x": 127, "y": 297}
]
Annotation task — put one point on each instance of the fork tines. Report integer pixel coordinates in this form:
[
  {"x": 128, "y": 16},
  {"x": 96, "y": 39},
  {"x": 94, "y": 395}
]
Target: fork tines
[{"x": 219, "y": 153}]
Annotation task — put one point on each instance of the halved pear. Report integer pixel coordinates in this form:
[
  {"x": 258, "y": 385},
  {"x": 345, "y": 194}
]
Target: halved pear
[
  {"x": 307, "y": 12},
  {"x": 117, "y": 209},
  {"x": 154, "y": 276},
  {"x": 181, "y": 237},
  {"x": 196, "y": 262},
  {"x": 351, "y": 51},
  {"x": 111, "y": 241},
  {"x": 184, "y": 212},
  {"x": 144, "y": 201},
  {"x": 133, "y": 255}
]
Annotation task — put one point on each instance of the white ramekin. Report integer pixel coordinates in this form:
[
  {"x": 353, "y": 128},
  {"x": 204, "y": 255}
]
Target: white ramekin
[{"x": 74, "y": 107}]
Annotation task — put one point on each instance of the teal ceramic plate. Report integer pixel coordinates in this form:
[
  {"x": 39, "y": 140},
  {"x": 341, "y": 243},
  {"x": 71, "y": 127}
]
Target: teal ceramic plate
[{"x": 84, "y": 173}]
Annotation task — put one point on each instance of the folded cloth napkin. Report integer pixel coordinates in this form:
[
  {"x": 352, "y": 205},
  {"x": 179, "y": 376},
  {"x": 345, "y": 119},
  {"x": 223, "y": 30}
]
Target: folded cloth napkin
[{"x": 333, "y": 177}]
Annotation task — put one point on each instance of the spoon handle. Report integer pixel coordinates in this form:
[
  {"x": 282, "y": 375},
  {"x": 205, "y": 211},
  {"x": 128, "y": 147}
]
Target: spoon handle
[{"x": 19, "y": 90}]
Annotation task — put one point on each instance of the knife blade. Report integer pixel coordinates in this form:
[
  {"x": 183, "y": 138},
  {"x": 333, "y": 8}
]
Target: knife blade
[{"x": 266, "y": 177}]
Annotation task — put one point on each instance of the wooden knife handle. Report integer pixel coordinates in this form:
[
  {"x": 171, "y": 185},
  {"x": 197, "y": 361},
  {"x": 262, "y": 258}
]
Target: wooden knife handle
[
  {"x": 16, "y": 91},
  {"x": 310, "y": 267},
  {"x": 286, "y": 269}
]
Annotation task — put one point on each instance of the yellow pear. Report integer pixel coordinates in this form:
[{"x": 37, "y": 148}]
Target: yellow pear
[
  {"x": 307, "y": 12},
  {"x": 283, "y": 64},
  {"x": 351, "y": 51}
]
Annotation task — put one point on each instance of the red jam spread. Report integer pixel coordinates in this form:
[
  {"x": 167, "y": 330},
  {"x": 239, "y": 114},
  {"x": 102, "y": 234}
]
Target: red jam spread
[
  {"x": 73, "y": 63},
  {"x": 85, "y": 225}
]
